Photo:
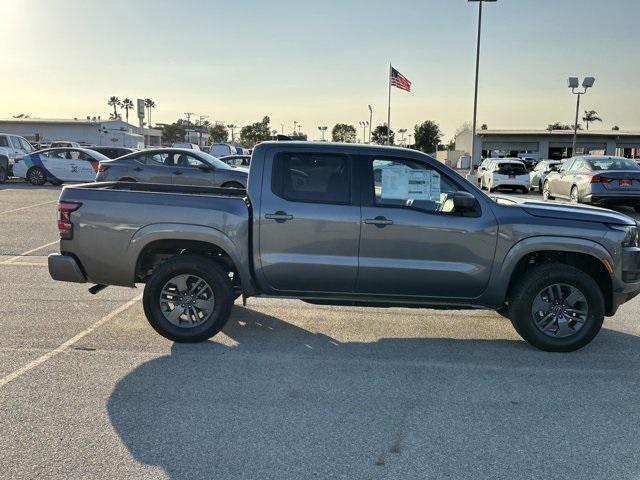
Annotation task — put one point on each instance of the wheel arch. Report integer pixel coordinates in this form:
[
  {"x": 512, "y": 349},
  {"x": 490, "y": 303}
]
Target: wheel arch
[
  {"x": 586, "y": 255},
  {"x": 153, "y": 244}
]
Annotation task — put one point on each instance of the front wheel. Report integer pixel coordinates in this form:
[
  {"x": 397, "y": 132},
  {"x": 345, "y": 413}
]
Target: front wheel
[
  {"x": 557, "y": 308},
  {"x": 36, "y": 176},
  {"x": 188, "y": 299}
]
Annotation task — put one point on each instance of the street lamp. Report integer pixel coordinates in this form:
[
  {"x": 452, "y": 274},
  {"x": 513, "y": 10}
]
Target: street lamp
[
  {"x": 322, "y": 130},
  {"x": 370, "y": 121},
  {"x": 475, "y": 91},
  {"x": 573, "y": 83},
  {"x": 364, "y": 125},
  {"x": 232, "y": 127}
]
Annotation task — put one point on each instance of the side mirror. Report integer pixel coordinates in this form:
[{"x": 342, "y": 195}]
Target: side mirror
[{"x": 463, "y": 201}]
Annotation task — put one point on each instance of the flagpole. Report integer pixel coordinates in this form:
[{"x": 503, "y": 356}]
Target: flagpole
[{"x": 389, "y": 109}]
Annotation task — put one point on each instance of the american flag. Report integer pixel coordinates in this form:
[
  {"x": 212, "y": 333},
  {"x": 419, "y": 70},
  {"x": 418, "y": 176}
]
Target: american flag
[{"x": 399, "y": 80}]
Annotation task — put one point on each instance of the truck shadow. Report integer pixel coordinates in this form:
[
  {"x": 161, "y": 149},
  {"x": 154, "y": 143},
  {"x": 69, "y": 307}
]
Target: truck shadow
[{"x": 285, "y": 402}]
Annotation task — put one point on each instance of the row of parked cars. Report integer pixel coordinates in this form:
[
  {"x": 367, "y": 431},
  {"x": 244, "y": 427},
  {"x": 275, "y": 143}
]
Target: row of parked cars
[
  {"x": 594, "y": 179},
  {"x": 73, "y": 163}
]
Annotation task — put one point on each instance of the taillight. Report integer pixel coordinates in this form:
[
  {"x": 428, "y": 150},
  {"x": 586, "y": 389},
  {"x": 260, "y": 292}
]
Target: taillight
[
  {"x": 65, "y": 227},
  {"x": 599, "y": 179},
  {"x": 103, "y": 168}
]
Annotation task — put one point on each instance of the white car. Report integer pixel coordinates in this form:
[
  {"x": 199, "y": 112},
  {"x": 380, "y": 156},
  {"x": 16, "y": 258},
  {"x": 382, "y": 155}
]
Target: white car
[
  {"x": 12, "y": 147},
  {"x": 222, "y": 150},
  {"x": 58, "y": 165},
  {"x": 506, "y": 173}
]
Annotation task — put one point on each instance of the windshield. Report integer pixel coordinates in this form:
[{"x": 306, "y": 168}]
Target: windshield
[
  {"x": 511, "y": 169},
  {"x": 214, "y": 161},
  {"x": 612, "y": 164}
]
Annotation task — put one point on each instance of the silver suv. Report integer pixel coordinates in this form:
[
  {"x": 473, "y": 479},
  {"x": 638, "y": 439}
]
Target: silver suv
[{"x": 12, "y": 147}]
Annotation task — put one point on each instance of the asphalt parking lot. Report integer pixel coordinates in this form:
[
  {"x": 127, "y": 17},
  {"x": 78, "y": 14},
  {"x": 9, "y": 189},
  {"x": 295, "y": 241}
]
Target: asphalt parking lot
[{"x": 291, "y": 390}]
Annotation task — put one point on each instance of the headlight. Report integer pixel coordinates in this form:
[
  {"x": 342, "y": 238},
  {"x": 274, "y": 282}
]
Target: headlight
[{"x": 631, "y": 235}]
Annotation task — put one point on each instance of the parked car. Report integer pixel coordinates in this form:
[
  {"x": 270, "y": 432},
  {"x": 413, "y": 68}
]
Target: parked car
[
  {"x": 66, "y": 144},
  {"x": 356, "y": 225},
  {"x": 529, "y": 162},
  {"x": 58, "y": 165},
  {"x": 12, "y": 148},
  {"x": 172, "y": 165},
  {"x": 505, "y": 173},
  {"x": 113, "y": 152},
  {"x": 237, "y": 160},
  {"x": 188, "y": 146},
  {"x": 483, "y": 168},
  {"x": 540, "y": 172},
  {"x": 222, "y": 150},
  {"x": 599, "y": 180}
]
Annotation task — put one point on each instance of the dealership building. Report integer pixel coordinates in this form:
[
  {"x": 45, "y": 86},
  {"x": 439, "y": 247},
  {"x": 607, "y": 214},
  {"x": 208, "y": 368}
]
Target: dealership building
[
  {"x": 88, "y": 131},
  {"x": 543, "y": 144}
]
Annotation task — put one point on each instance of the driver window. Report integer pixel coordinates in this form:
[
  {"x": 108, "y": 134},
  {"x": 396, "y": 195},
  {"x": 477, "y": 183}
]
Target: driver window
[
  {"x": 407, "y": 183},
  {"x": 188, "y": 161}
]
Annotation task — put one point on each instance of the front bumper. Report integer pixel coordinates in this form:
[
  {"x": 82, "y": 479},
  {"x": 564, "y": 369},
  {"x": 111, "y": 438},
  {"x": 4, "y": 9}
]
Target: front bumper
[
  {"x": 630, "y": 286},
  {"x": 65, "y": 268}
]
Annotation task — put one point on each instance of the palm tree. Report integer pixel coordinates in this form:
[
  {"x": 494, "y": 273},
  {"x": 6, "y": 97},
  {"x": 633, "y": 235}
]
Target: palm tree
[
  {"x": 115, "y": 103},
  {"x": 149, "y": 104},
  {"x": 590, "y": 116},
  {"x": 127, "y": 104}
]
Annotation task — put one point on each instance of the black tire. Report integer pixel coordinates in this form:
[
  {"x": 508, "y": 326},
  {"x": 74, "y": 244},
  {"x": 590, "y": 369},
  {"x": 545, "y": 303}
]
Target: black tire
[
  {"x": 4, "y": 175},
  {"x": 36, "y": 176},
  {"x": 534, "y": 281},
  {"x": 574, "y": 195},
  {"x": 547, "y": 188},
  {"x": 204, "y": 268},
  {"x": 232, "y": 185}
]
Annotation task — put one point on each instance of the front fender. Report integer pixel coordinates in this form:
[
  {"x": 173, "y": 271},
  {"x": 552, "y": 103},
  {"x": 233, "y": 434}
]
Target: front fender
[
  {"x": 495, "y": 296},
  {"x": 175, "y": 231}
]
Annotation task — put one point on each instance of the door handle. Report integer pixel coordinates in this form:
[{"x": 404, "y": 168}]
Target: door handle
[
  {"x": 279, "y": 216},
  {"x": 177, "y": 172},
  {"x": 379, "y": 221}
]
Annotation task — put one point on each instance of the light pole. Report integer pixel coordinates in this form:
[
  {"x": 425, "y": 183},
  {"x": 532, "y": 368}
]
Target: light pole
[
  {"x": 475, "y": 90},
  {"x": 322, "y": 130},
  {"x": 364, "y": 125},
  {"x": 188, "y": 115},
  {"x": 402, "y": 131},
  {"x": 232, "y": 127},
  {"x": 295, "y": 122},
  {"x": 370, "y": 121},
  {"x": 299, "y": 129},
  {"x": 573, "y": 83}
]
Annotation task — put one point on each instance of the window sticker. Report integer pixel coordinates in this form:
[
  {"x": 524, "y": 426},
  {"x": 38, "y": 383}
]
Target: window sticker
[
  {"x": 402, "y": 182},
  {"x": 395, "y": 182}
]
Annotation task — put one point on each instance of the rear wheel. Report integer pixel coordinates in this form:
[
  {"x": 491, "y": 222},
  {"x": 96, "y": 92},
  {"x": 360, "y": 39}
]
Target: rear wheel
[
  {"x": 575, "y": 198},
  {"x": 3, "y": 175},
  {"x": 557, "y": 308},
  {"x": 36, "y": 176},
  {"x": 546, "y": 192},
  {"x": 188, "y": 299}
]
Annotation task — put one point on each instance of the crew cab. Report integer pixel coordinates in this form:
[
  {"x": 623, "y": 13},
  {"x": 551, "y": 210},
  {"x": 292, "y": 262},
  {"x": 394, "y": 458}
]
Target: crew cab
[{"x": 349, "y": 225}]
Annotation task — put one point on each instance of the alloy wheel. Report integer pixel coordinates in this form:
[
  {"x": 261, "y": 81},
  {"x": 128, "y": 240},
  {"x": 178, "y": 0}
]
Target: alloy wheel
[
  {"x": 187, "y": 301},
  {"x": 560, "y": 310}
]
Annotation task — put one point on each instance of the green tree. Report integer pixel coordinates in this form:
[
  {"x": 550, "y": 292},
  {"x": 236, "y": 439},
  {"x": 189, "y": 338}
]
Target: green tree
[
  {"x": 149, "y": 104},
  {"x": 127, "y": 104},
  {"x": 255, "y": 133},
  {"x": 173, "y": 132},
  {"x": 615, "y": 127},
  {"x": 484, "y": 126},
  {"x": 590, "y": 116},
  {"x": 379, "y": 135},
  {"x": 343, "y": 132},
  {"x": 558, "y": 126},
  {"x": 427, "y": 136},
  {"x": 115, "y": 103},
  {"x": 218, "y": 133}
]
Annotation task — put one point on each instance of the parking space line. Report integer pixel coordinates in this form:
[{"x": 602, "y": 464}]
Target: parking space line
[
  {"x": 13, "y": 259},
  {"x": 28, "y": 206},
  {"x": 64, "y": 346}
]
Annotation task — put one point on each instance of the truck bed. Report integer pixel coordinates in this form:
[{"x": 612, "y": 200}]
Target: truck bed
[{"x": 117, "y": 220}]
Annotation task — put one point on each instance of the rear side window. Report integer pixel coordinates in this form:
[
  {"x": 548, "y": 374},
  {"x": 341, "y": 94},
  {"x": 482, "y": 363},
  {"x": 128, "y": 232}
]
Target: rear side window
[
  {"x": 511, "y": 169},
  {"x": 316, "y": 178}
]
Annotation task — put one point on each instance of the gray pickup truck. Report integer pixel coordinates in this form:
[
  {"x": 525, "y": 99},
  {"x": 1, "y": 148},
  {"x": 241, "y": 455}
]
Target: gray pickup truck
[{"x": 350, "y": 225}]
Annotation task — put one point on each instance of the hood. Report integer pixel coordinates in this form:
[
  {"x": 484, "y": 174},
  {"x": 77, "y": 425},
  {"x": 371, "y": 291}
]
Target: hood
[
  {"x": 244, "y": 170},
  {"x": 582, "y": 213}
]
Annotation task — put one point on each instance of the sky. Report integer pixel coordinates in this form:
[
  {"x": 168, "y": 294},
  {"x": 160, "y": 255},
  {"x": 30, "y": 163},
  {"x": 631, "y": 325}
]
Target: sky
[{"x": 322, "y": 62}]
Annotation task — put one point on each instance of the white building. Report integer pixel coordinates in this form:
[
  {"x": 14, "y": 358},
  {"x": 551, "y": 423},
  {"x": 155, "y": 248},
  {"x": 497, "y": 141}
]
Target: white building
[
  {"x": 541, "y": 144},
  {"x": 90, "y": 131}
]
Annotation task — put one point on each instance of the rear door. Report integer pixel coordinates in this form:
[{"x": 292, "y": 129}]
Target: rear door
[
  {"x": 413, "y": 243},
  {"x": 82, "y": 166},
  {"x": 309, "y": 225}
]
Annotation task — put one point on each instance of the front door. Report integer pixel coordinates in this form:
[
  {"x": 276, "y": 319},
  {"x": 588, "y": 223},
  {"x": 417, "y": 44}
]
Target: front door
[
  {"x": 309, "y": 225},
  {"x": 190, "y": 170},
  {"x": 413, "y": 242},
  {"x": 153, "y": 167},
  {"x": 561, "y": 182}
]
